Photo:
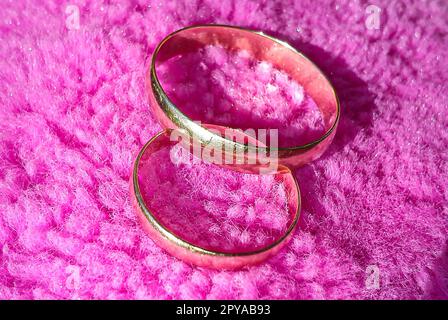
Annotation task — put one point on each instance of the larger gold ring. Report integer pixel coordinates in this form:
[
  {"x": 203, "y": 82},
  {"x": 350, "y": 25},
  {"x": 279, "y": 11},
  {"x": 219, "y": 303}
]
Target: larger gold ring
[{"x": 262, "y": 47}]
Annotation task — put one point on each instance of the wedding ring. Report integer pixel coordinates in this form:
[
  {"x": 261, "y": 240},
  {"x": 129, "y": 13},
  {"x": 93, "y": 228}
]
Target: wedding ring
[
  {"x": 195, "y": 254},
  {"x": 261, "y": 47}
]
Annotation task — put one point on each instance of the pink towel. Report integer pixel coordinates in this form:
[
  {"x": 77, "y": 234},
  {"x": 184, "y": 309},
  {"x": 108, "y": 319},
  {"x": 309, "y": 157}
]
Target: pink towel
[{"x": 74, "y": 113}]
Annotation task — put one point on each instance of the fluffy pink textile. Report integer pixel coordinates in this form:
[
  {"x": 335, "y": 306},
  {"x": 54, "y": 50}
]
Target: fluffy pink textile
[{"x": 74, "y": 114}]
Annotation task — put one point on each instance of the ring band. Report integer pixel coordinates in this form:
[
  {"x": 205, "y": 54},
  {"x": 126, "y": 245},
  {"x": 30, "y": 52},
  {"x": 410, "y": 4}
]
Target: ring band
[
  {"x": 197, "y": 255},
  {"x": 262, "y": 47}
]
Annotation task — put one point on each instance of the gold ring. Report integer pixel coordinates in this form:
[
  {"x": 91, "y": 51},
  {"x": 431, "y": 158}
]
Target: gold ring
[
  {"x": 194, "y": 254},
  {"x": 262, "y": 47}
]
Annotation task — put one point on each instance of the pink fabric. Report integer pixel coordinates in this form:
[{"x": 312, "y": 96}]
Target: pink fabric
[{"x": 74, "y": 114}]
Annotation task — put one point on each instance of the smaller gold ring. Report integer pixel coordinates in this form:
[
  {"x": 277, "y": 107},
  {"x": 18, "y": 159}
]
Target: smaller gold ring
[{"x": 197, "y": 255}]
